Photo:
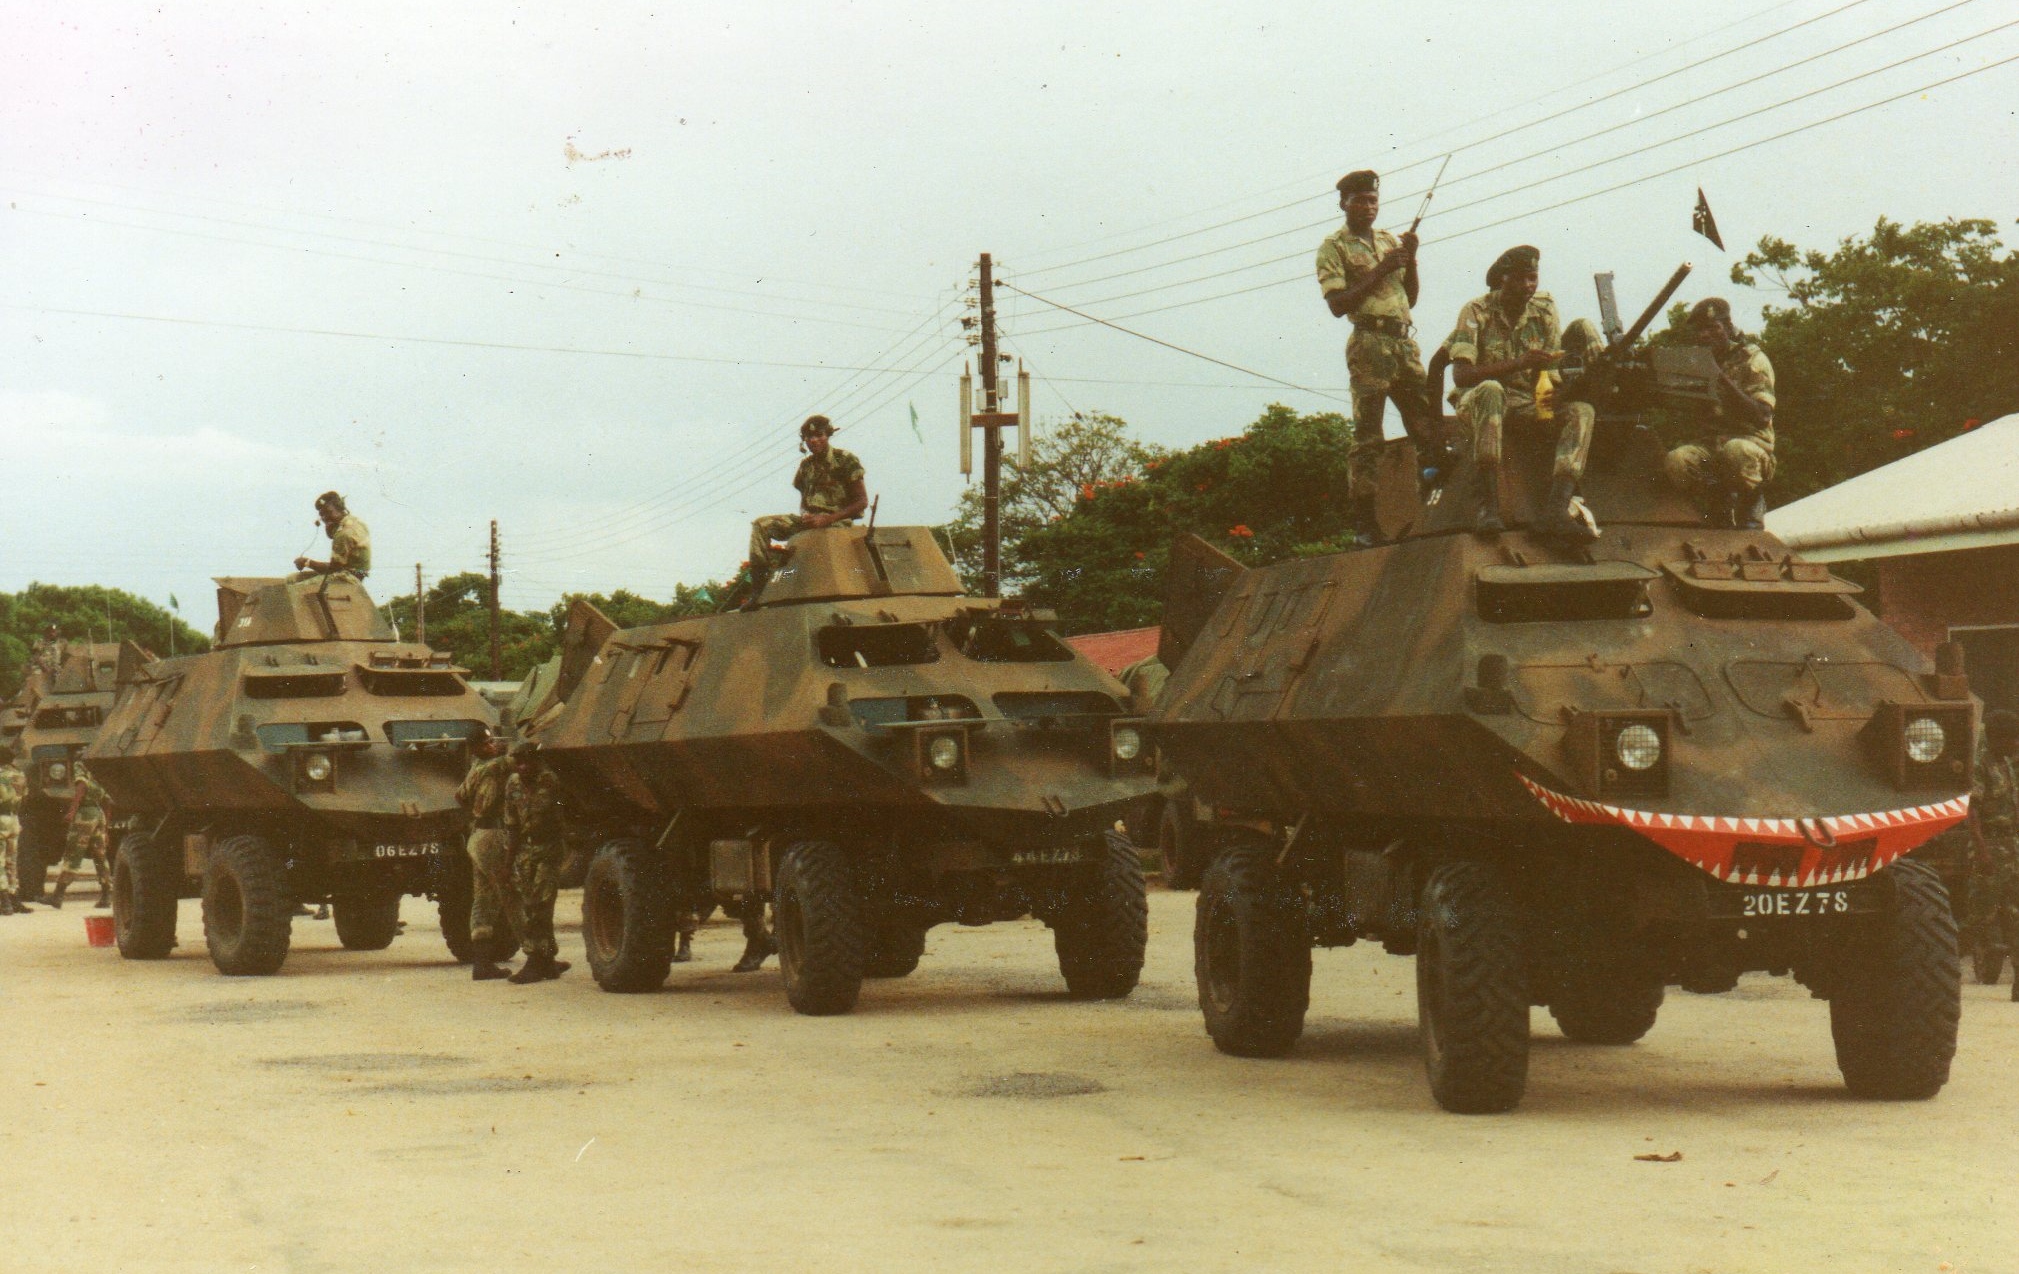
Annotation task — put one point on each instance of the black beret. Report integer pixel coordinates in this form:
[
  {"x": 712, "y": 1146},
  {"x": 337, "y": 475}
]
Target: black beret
[
  {"x": 1362, "y": 181},
  {"x": 1522, "y": 258}
]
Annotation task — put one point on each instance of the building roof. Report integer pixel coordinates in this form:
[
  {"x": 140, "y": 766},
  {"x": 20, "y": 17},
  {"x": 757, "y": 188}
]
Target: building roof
[
  {"x": 1959, "y": 494},
  {"x": 1117, "y": 650}
]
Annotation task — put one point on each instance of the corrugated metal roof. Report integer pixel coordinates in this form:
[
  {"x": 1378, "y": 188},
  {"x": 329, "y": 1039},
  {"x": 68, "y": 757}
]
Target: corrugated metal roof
[
  {"x": 1114, "y": 651},
  {"x": 1960, "y": 494}
]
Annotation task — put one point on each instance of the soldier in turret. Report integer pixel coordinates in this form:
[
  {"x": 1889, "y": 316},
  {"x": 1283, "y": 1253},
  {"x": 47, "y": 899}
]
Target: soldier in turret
[
  {"x": 831, "y": 493},
  {"x": 1724, "y": 470},
  {"x": 350, "y": 547}
]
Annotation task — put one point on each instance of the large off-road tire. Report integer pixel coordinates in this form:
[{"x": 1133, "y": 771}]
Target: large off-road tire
[
  {"x": 1471, "y": 990},
  {"x": 628, "y": 917},
  {"x": 146, "y": 882},
  {"x": 1606, "y": 1005},
  {"x": 455, "y": 895},
  {"x": 1181, "y": 843},
  {"x": 823, "y": 928},
  {"x": 1101, "y": 935},
  {"x": 248, "y": 914},
  {"x": 1899, "y": 995},
  {"x": 1251, "y": 954},
  {"x": 895, "y": 948},
  {"x": 366, "y": 921}
]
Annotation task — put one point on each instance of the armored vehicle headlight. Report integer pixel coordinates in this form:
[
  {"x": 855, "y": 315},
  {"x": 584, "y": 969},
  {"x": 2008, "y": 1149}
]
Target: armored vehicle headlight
[
  {"x": 1638, "y": 747},
  {"x": 1925, "y": 740},
  {"x": 944, "y": 752},
  {"x": 1128, "y": 744},
  {"x": 58, "y": 771},
  {"x": 317, "y": 767}
]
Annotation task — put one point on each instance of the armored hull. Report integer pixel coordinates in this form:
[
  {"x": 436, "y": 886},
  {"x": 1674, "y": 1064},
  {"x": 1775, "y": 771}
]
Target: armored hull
[
  {"x": 951, "y": 748},
  {"x": 309, "y": 738}
]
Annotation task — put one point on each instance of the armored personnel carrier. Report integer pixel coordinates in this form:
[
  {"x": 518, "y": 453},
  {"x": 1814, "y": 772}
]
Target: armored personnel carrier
[
  {"x": 863, "y": 746},
  {"x": 310, "y": 756},
  {"x": 1569, "y": 775},
  {"x": 57, "y": 724}
]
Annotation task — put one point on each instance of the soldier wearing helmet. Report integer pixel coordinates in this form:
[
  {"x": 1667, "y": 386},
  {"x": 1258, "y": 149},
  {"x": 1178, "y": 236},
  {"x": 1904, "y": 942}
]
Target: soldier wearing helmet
[
  {"x": 350, "y": 549},
  {"x": 1724, "y": 469},
  {"x": 831, "y": 493}
]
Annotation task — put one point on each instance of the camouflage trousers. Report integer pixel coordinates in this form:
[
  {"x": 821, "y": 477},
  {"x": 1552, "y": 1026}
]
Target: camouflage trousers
[
  {"x": 777, "y": 526},
  {"x": 1713, "y": 464},
  {"x": 494, "y": 898},
  {"x": 86, "y": 839},
  {"x": 1485, "y": 413},
  {"x": 1379, "y": 368},
  {"x": 10, "y": 854},
  {"x": 536, "y": 876},
  {"x": 1993, "y": 923},
  {"x": 334, "y": 577}
]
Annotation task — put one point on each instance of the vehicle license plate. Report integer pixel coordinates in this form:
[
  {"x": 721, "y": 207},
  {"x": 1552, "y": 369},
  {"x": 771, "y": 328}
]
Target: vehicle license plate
[
  {"x": 420, "y": 849},
  {"x": 1795, "y": 904}
]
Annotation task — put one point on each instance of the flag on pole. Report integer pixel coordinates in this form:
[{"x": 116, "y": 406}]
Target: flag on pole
[
  {"x": 914, "y": 424},
  {"x": 173, "y": 604},
  {"x": 1703, "y": 223}
]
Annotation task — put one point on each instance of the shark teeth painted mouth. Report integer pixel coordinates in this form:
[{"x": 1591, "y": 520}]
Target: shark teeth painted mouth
[{"x": 1789, "y": 852}]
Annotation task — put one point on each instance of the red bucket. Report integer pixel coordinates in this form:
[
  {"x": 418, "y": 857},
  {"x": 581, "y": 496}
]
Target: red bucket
[{"x": 98, "y": 930}]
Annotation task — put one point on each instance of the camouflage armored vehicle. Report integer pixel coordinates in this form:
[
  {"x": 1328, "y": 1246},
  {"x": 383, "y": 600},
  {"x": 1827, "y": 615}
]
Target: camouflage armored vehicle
[
  {"x": 310, "y": 756},
  {"x": 867, "y": 748},
  {"x": 58, "y": 724},
  {"x": 1569, "y": 775}
]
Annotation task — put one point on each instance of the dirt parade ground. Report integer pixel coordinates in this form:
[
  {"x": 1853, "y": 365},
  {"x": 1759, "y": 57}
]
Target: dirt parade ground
[{"x": 381, "y": 1112}]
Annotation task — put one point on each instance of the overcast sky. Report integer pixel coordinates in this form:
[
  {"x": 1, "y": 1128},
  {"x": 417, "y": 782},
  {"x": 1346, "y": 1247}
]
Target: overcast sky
[{"x": 584, "y": 268}]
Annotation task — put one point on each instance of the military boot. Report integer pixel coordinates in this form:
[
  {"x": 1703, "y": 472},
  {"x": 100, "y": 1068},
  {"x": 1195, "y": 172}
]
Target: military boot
[
  {"x": 1749, "y": 511},
  {"x": 104, "y": 902},
  {"x": 684, "y": 952},
  {"x": 1560, "y": 516},
  {"x": 7, "y": 907},
  {"x": 487, "y": 971},
  {"x": 62, "y": 888},
  {"x": 533, "y": 970},
  {"x": 1486, "y": 480},
  {"x": 1366, "y": 527},
  {"x": 756, "y": 950}
]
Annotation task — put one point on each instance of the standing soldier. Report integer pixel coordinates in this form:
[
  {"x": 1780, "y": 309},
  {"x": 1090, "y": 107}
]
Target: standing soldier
[
  {"x": 1369, "y": 276},
  {"x": 86, "y": 838},
  {"x": 1501, "y": 342},
  {"x": 483, "y": 794},
  {"x": 350, "y": 544},
  {"x": 831, "y": 493},
  {"x": 1724, "y": 470},
  {"x": 13, "y": 786},
  {"x": 533, "y": 838},
  {"x": 49, "y": 651},
  {"x": 1994, "y": 825}
]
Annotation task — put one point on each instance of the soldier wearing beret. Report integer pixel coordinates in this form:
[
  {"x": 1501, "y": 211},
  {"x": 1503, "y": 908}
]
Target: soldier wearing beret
[
  {"x": 1724, "y": 469},
  {"x": 1501, "y": 343},
  {"x": 1369, "y": 276}
]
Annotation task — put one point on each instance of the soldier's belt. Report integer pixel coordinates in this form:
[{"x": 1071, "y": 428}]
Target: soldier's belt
[{"x": 1384, "y": 325}]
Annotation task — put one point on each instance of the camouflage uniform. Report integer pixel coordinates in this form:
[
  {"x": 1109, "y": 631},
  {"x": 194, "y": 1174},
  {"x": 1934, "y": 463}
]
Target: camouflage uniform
[
  {"x": 350, "y": 552},
  {"x": 1382, "y": 360},
  {"x": 823, "y": 482},
  {"x": 483, "y": 794},
  {"x": 533, "y": 832},
  {"x": 1485, "y": 335},
  {"x": 86, "y": 837},
  {"x": 13, "y": 786},
  {"x": 1994, "y": 893},
  {"x": 1735, "y": 454}
]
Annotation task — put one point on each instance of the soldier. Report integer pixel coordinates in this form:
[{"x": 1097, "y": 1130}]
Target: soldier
[
  {"x": 533, "y": 838},
  {"x": 483, "y": 794},
  {"x": 1501, "y": 342},
  {"x": 49, "y": 651},
  {"x": 1369, "y": 276},
  {"x": 350, "y": 544},
  {"x": 831, "y": 493},
  {"x": 1724, "y": 469},
  {"x": 1994, "y": 826},
  {"x": 85, "y": 838},
  {"x": 13, "y": 786}
]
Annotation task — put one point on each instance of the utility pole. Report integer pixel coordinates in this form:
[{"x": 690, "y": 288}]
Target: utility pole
[
  {"x": 497, "y": 660},
  {"x": 420, "y": 608}
]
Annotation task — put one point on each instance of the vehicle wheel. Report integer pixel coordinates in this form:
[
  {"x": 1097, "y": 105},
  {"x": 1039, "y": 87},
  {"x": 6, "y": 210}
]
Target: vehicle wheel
[
  {"x": 1101, "y": 935},
  {"x": 146, "y": 881},
  {"x": 1471, "y": 990},
  {"x": 1181, "y": 843},
  {"x": 1251, "y": 954},
  {"x": 627, "y": 918},
  {"x": 1988, "y": 962},
  {"x": 823, "y": 932},
  {"x": 366, "y": 921},
  {"x": 1899, "y": 996},
  {"x": 247, "y": 912},
  {"x": 895, "y": 948},
  {"x": 1606, "y": 1005}
]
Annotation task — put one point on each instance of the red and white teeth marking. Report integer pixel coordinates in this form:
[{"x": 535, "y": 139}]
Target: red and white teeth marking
[{"x": 1776, "y": 852}]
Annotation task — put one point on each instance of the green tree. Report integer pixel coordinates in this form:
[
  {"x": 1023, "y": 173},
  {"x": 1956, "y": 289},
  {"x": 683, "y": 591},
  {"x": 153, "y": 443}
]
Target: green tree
[
  {"x": 459, "y": 623},
  {"x": 1892, "y": 342},
  {"x": 87, "y": 612}
]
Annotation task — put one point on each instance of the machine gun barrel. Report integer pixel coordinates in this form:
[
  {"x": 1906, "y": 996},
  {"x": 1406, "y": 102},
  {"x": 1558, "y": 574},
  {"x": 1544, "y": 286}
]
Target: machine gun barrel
[{"x": 1633, "y": 333}]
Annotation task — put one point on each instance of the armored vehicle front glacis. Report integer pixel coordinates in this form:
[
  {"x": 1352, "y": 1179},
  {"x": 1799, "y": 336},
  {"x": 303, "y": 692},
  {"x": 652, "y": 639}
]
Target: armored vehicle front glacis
[
  {"x": 62, "y": 711},
  {"x": 310, "y": 756},
  {"x": 867, "y": 748},
  {"x": 1568, "y": 775}
]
